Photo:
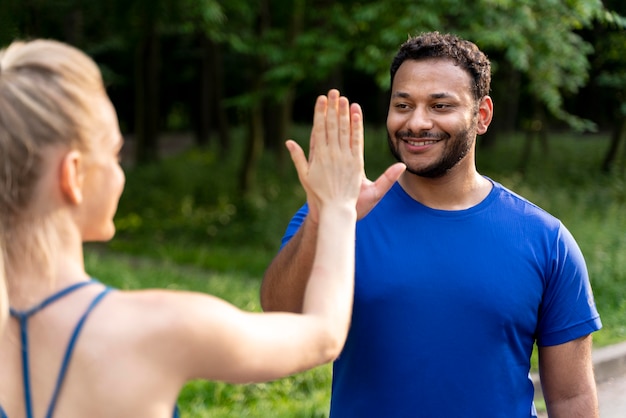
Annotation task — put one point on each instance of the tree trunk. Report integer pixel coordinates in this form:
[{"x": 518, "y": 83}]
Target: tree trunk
[
  {"x": 534, "y": 129},
  {"x": 527, "y": 151},
  {"x": 506, "y": 103},
  {"x": 254, "y": 137},
  {"x": 618, "y": 136},
  {"x": 221, "y": 116},
  {"x": 285, "y": 112},
  {"x": 146, "y": 95},
  {"x": 204, "y": 112},
  {"x": 74, "y": 27},
  {"x": 278, "y": 117},
  {"x": 253, "y": 150},
  {"x": 209, "y": 114},
  {"x": 271, "y": 128}
]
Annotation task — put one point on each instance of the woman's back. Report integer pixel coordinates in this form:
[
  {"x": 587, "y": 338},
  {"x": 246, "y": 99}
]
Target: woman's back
[
  {"x": 116, "y": 368},
  {"x": 137, "y": 349}
]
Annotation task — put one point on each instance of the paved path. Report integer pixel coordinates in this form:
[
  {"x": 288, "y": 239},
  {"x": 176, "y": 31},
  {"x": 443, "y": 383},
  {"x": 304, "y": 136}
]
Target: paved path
[
  {"x": 610, "y": 371},
  {"x": 611, "y": 397}
]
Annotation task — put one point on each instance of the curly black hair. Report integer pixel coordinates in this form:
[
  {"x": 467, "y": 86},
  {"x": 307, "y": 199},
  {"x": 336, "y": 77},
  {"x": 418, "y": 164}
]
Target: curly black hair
[{"x": 447, "y": 46}]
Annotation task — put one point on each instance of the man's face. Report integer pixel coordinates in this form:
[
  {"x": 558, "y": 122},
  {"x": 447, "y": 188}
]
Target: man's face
[{"x": 432, "y": 119}]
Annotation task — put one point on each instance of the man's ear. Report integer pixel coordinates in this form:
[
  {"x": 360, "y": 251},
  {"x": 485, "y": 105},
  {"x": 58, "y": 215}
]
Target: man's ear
[
  {"x": 72, "y": 177},
  {"x": 485, "y": 113}
]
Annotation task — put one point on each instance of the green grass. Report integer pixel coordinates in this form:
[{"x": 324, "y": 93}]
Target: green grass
[{"x": 182, "y": 224}]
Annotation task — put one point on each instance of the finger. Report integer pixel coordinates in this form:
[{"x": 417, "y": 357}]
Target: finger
[
  {"x": 299, "y": 160},
  {"x": 318, "y": 132},
  {"x": 344, "y": 123},
  {"x": 332, "y": 116},
  {"x": 371, "y": 193},
  {"x": 357, "y": 140},
  {"x": 387, "y": 179}
]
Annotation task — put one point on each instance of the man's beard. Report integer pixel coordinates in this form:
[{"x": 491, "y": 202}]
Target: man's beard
[{"x": 455, "y": 149}]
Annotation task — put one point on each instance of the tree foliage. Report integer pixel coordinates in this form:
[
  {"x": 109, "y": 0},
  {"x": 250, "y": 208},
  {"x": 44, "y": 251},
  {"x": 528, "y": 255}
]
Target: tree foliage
[
  {"x": 266, "y": 52},
  {"x": 539, "y": 38},
  {"x": 610, "y": 66}
]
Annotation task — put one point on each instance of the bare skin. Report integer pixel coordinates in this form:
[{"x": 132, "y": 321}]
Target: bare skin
[{"x": 567, "y": 379}]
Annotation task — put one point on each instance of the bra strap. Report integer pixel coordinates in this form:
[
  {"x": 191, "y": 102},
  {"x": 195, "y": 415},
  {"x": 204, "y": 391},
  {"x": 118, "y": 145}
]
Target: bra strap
[
  {"x": 70, "y": 349},
  {"x": 22, "y": 317}
]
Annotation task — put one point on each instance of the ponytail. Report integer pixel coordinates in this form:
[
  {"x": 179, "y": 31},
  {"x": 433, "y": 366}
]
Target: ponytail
[{"x": 46, "y": 94}]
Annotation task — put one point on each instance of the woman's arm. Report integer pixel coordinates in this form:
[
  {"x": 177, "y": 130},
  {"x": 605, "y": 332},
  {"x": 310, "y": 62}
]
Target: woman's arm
[{"x": 218, "y": 341}]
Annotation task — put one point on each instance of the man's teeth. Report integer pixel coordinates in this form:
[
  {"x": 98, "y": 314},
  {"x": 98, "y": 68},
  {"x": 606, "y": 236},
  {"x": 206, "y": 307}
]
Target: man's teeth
[{"x": 421, "y": 143}]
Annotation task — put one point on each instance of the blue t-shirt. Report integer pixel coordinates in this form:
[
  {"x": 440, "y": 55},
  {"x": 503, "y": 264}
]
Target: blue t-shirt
[{"x": 448, "y": 305}]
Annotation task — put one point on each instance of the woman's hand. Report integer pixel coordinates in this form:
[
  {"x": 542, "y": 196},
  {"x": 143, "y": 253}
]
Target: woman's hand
[
  {"x": 333, "y": 173},
  {"x": 335, "y": 165}
]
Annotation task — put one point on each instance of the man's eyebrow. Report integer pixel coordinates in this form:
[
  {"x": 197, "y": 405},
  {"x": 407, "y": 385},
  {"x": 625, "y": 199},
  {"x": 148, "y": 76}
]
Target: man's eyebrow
[
  {"x": 400, "y": 95},
  {"x": 404, "y": 95},
  {"x": 442, "y": 95}
]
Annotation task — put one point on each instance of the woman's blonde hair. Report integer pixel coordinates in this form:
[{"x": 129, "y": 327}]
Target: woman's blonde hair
[{"x": 46, "y": 91}]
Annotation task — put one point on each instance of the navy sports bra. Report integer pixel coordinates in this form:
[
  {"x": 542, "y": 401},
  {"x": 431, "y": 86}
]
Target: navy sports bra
[{"x": 23, "y": 316}]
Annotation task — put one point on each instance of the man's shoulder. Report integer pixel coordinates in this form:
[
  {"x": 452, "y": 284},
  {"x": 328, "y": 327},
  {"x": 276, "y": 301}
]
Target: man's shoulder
[{"x": 516, "y": 203}]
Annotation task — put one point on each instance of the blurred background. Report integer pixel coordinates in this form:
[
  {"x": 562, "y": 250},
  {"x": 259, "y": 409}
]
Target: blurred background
[
  {"x": 206, "y": 66},
  {"x": 207, "y": 92}
]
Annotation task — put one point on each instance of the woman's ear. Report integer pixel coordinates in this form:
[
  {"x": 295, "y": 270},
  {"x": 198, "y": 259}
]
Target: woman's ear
[
  {"x": 72, "y": 177},
  {"x": 485, "y": 113}
]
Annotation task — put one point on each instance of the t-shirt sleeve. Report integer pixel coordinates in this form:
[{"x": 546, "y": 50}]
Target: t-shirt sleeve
[
  {"x": 568, "y": 310},
  {"x": 294, "y": 224}
]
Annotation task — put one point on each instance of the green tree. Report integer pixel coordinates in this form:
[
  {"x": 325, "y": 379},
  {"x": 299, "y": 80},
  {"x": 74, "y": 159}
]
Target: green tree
[
  {"x": 536, "y": 37},
  {"x": 143, "y": 24},
  {"x": 9, "y": 26},
  {"x": 610, "y": 44},
  {"x": 252, "y": 58},
  {"x": 279, "y": 44},
  {"x": 539, "y": 56}
]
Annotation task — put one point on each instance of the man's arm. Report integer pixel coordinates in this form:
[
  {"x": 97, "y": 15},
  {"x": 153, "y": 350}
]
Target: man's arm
[
  {"x": 287, "y": 275},
  {"x": 286, "y": 278},
  {"x": 567, "y": 379}
]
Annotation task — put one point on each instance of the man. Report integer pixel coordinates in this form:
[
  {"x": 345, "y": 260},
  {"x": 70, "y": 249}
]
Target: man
[{"x": 456, "y": 276}]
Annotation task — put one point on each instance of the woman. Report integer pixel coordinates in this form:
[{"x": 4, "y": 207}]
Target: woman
[{"x": 73, "y": 347}]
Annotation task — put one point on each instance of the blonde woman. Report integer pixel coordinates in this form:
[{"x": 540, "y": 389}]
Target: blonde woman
[{"x": 71, "y": 346}]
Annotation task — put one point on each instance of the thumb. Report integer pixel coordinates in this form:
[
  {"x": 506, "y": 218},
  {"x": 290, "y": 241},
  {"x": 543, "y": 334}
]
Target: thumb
[
  {"x": 299, "y": 159},
  {"x": 371, "y": 193},
  {"x": 388, "y": 178}
]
